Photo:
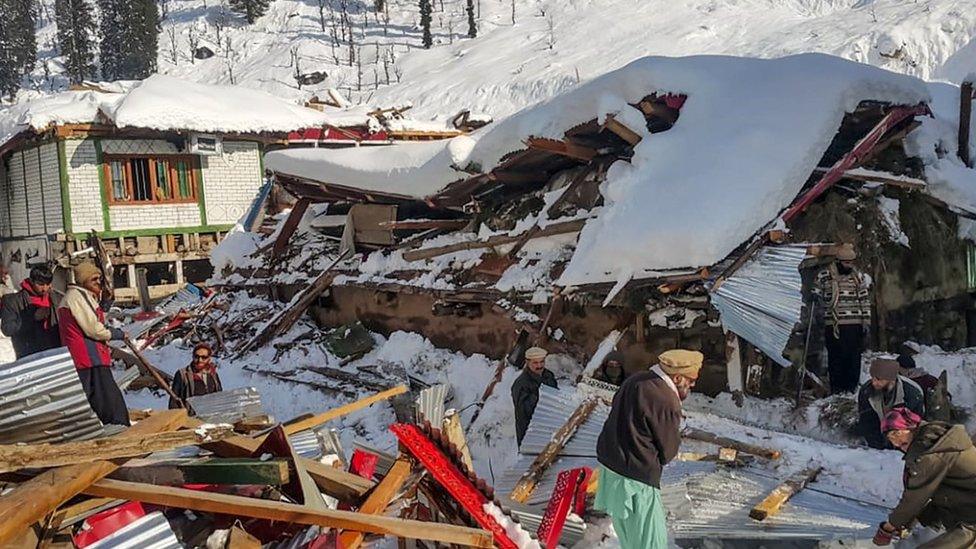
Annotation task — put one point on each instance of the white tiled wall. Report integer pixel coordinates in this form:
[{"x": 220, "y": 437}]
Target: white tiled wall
[
  {"x": 83, "y": 191},
  {"x": 231, "y": 181},
  {"x": 154, "y": 216}
]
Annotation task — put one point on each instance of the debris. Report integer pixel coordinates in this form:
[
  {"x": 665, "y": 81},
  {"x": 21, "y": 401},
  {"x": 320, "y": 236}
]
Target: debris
[
  {"x": 705, "y": 436},
  {"x": 782, "y": 493}
]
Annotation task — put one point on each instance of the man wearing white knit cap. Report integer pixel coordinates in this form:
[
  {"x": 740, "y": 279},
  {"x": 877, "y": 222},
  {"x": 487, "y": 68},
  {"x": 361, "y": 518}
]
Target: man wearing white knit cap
[{"x": 525, "y": 390}]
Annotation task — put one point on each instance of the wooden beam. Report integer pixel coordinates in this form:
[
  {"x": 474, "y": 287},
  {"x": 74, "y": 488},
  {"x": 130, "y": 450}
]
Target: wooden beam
[
  {"x": 526, "y": 485},
  {"x": 909, "y": 183},
  {"x": 564, "y": 227},
  {"x": 965, "y": 115},
  {"x": 705, "y": 436},
  {"x": 32, "y": 500},
  {"x": 418, "y": 224},
  {"x": 378, "y": 500},
  {"x": 622, "y": 131},
  {"x": 345, "y": 409},
  {"x": 563, "y": 148},
  {"x": 14, "y": 457},
  {"x": 272, "y": 472},
  {"x": 451, "y": 428},
  {"x": 210, "y": 502},
  {"x": 289, "y": 227},
  {"x": 340, "y": 484},
  {"x": 774, "y": 501}
]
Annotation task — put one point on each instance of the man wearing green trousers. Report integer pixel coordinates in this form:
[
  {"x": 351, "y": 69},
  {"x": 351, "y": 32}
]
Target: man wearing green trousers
[{"x": 641, "y": 435}]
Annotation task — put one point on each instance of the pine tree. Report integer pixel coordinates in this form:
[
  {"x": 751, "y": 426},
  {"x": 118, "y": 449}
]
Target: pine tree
[
  {"x": 130, "y": 36},
  {"x": 472, "y": 26},
  {"x": 18, "y": 44},
  {"x": 250, "y": 9},
  {"x": 76, "y": 30},
  {"x": 426, "y": 9}
]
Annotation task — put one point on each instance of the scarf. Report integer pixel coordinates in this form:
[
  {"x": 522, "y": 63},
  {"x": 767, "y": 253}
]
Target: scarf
[
  {"x": 667, "y": 379},
  {"x": 39, "y": 301}
]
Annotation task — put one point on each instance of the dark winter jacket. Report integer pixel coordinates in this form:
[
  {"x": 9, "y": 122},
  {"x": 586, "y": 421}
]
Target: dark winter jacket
[
  {"x": 940, "y": 478},
  {"x": 525, "y": 396},
  {"x": 189, "y": 383},
  {"x": 26, "y": 318},
  {"x": 872, "y": 406},
  {"x": 641, "y": 434}
]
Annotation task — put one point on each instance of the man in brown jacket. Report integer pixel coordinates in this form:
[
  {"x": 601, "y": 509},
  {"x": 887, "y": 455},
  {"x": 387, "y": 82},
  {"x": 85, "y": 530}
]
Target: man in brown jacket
[
  {"x": 940, "y": 480},
  {"x": 640, "y": 436}
]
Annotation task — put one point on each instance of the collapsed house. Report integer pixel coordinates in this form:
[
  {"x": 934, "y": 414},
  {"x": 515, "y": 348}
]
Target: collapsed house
[{"x": 661, "y": 205}]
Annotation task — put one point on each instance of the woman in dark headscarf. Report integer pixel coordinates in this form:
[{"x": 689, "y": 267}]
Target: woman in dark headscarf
[{"x": 612, "y": 369}]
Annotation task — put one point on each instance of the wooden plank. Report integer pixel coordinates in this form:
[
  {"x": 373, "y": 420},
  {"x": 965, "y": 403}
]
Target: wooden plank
[
  {"x": 14, "y": 457},
  {"x": 894, "y": 180},
  {"x": 705, "y": 436},
  {"x": 272, "y": 472},
  {"x": 965, "y": 115},
  {"x": 211, "y": 502},
  {"x": 417, "y": 224},
  {"x": 564, "y": 227},
  {"x": 526, "y": 485},
  {"x": 774, "y": 501},
  {"x": 345, "y": 409},
  {"x": 32, "y": 500},
  {"x": 378, "y": 500},
  {"x": 451, "y": 428},
  {"x": 340, "y": 484},
  {"x": 563, "y": 148},
  {"x": 288, "y": 228},
  {"x": 622, "y": 131}
]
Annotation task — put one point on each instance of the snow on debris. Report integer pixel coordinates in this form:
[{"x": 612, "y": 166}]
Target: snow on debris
[
  {"x": 39, "y": 113},
  {"x": 747, "y": 138},
  {"x": 408, "y": 169}
]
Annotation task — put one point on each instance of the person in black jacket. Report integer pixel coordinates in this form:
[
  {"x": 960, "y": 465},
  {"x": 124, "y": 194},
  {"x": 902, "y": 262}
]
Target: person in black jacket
[
  {"x": 640, "y": 436},
  {"x": 525, "y": 389},
  {"x": 885, "y": 391},
  {"x": 25, "y": 316},
  {"x": 199, "y": 378}
]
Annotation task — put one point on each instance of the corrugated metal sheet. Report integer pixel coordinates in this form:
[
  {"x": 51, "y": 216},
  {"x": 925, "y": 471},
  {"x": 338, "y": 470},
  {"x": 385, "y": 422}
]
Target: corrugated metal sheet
[
  {"x": 315, "y": 443},
  {"x": 709, "y": 502},
  {"x": 761, "y": 303},
  {"x": 430, "y": 405},
  {"x": 41, "y": 400},
  {"x": 187, "y": 298},
  {"x": 228, "y": 406},
  {"x": 540, "y": 496},
  {"x": 554, "y": 408},
  {"x": 124, "y": 378},
  {"x": 530, "y": 518},
  {"x": 385, "y": 461},
  {"x": 149, "y": 532}
]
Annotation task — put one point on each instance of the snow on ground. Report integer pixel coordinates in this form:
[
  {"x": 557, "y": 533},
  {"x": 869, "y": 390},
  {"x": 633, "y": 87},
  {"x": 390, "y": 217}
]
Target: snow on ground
[{"x": 6, "y": 350}]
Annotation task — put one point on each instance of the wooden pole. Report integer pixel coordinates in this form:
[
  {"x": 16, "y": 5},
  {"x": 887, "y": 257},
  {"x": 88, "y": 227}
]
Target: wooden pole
[
  {"x": 343, "y": 410},
  {"x": 773, "y": 503},
  {"x": 154, "y": 373},
  {"x": 378, "y": 500},
  {"x": 14, "y": 457},
  {"x": 526, "y": 484},
  {"x": 210, "y": 502},
  {"x": 965, "y": 114},
  {"x": 451, "y": 428},
  {"x": 563, "y": 227},
  {"x": 705, "y": 436},
  {"x": 32, "y": 500}
]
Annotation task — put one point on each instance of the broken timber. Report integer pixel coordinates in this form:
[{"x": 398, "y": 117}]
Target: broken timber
[
  {"x": 378, "y": 500},
  {"x": 705, "y": 436},
  {"x": 287, "y": 317},
  {"x": 451, "y": 428},
  {"x": 34, "y": 499},
  {"x": 563, "y": 148},
  {"x": 319, "y": 419},
  {"x": 340, "y": 484},
  {"x": 526, "y": 485},
  {"x": 622, "y": 131},
  {"x": 564, "y": 227},
  {"x": 273, "y": 472},
  {"x": 211, "y": 502},
  {"x": 782, "y": 493},
  {"x": 14, "y": 457}
]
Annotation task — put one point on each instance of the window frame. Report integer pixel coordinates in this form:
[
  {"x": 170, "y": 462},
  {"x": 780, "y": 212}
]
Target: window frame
[{"x": 153, "y": 159}]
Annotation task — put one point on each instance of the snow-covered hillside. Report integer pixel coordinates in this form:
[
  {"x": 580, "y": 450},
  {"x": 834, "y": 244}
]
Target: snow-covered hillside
[{"x": 552, "y": 46}]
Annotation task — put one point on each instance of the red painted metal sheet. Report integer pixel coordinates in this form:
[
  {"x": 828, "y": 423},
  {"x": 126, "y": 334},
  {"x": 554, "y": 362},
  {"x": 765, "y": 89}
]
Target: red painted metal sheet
[
  {"x": 569, "y": 494},
  {"x": 451, "y": 479}
]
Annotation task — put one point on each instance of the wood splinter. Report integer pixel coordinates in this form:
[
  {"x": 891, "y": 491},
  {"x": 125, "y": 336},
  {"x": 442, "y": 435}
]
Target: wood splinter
[{"x": 774, "y": 502}]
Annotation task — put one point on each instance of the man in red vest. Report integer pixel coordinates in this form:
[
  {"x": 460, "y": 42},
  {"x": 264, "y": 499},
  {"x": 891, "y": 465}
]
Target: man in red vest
[{"x": 81, "y": 322}]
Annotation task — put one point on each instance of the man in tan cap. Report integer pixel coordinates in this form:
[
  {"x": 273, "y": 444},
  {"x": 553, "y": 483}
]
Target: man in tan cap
[
  {"x": 885, "y": 391},
  {"x": 81, "y": 322},
  {"x": 847, "y": 317},
  {"x": 525, "y": 390},
  {"x": 641, "y": 435}
]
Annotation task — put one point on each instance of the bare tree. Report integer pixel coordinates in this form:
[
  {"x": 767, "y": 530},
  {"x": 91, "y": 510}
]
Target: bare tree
[
  {"x": 513, "y": 12},
  {"x": 398, "y": 72},
  {"x": 450, "y": 29},
  {"x": 359, "y": 69},
  {"x": 171, "y": 33},
  {"x": 386, "y": 65},
  {"x": 321, "y": 5},
  {"x": 551, "y": 24},
  {"x": 163, "y": 9},
  {"x": 194, "y": 41},
  {"x": 295, "y": 62}
]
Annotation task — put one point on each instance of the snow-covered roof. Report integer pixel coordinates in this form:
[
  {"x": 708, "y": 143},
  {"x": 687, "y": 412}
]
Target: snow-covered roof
[
  {"x": 165, "y": 103},
  {"x": 411, "y": 169},
  {"x": 749, "y": 135}
]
